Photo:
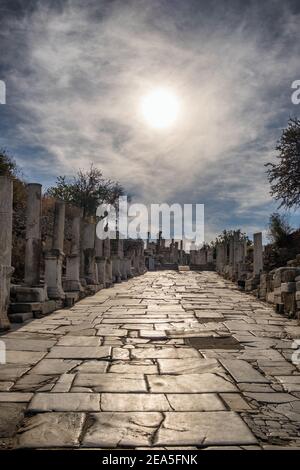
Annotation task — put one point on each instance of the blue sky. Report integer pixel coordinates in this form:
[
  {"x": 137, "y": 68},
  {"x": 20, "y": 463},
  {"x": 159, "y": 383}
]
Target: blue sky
[{"x": 76, "y": 75}]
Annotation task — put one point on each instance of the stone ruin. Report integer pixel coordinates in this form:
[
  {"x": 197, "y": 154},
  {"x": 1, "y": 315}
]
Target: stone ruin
[
  {"x": 161, "y": 254},
  {"x": 279, "y": 287},
  {"x": 54, "y": 279}
]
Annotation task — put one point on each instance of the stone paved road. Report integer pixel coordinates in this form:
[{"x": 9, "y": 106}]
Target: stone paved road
[{"x": 165, "y": 360}]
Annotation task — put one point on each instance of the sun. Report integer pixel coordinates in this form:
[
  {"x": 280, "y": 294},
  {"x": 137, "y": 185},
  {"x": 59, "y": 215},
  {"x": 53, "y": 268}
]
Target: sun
[{"x": 160, "y": 108}]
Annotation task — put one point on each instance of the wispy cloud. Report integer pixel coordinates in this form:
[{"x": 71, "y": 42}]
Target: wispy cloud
[{"x": 78, "y": 75}]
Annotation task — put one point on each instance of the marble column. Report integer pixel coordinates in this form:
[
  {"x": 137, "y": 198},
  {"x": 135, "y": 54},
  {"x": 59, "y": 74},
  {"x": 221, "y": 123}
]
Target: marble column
[
  {"x": 257, "y": 254},
  {"x": 54, "y": 257},
  {"x": 108, "y": 262},
  {"x": 100, "y": 261},
  {"x": 33, "y": 235},
  {"x": 72, "y": 281},
  {"x": 115, "y": 258},
  {"x": 88, "y": 245},
  {"x": 6, "y": 210}
]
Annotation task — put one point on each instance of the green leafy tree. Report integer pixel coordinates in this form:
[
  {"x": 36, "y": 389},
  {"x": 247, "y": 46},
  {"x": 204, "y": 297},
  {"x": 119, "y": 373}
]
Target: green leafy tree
[
  {"x": 279, "y": 229},
  {"x": 284, "y": 176},
  {"x": 87, "y": 189}
]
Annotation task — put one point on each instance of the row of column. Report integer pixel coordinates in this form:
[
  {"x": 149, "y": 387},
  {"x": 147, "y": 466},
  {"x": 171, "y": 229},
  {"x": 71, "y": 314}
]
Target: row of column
[{"x": 90, "y": 264}]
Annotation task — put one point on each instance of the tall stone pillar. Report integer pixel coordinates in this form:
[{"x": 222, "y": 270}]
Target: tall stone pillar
[
  {"x": 54, "y": 257},
  {"x": 100, "y": 261},
  {"x": 108, "y": 262},
  {"x": 257, "y": 254},
  {"x": 116, "y": 256},
  {"x": 221, "y": 256},
  {"x": 6, "y": 201},
  {"x": 72, "y": 282},
  {"x": 33, "y": 235},
  {"x": 88, "y": 245}
]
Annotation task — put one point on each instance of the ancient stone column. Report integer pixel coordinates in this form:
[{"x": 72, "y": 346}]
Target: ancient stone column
[
  {"x": 88, "y": 245},
  {"x": 221, "y": 256},
  {"x": 116, "y": 253},
  {"x": 33, "y": 235},
  {"x": 6, "y": 201},
  {"x": 108, "y": 262},
  {"x": 257, "y": 254},
  {"x": 100, "y": 261},
  {"x": 54, "y": 257},
  {"x": 72, "y": 282}
]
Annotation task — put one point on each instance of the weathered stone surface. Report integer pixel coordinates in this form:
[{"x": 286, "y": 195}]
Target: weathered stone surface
[
  {"x": 189, "y": 383},
  {"x": 235, "y": 402},
  {"x": 241, "y": 371},
  {"x": 164, "y": 353},
  {"x": 129, "y": 429},
  {"x": 79, "y": 341},
  {"x": 134, "y": 402},
  {"x": 210, "y": 428},
  {"x": 33, "y": 382},
  {"x": 11, "y": 414},
  {"x": 271, "y": 397},
  {"x": 112, "y": 382},
  {"x": 93, "y": 367},
  {"x": 291, "y": 383},
  {"x": 133, "y": 368},
  {"x": 20, "y": 344},
  {"x": 188, "y": 366},
  {"x": 85, "y": 352},
  {"x": 54, "y": 366},
  {"x": 23, "y": 357},
  {"x": 51, "y": 430},
  {"x": 65, "y": 402},
  {"x": 195, "y": 402},
  {"x": 15, "y": 397},
  {"x": 10, "y": 372}
]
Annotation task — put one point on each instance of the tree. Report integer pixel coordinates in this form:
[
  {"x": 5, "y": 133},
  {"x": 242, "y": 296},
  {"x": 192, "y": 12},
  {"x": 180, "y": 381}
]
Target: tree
[
  {"x": 284, "y": 176},
  {"x": 279, "y": 229},
  {"x": 88, "y": 189}
]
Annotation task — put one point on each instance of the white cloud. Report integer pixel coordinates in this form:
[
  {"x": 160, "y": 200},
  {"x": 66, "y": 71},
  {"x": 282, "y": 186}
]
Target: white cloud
[{"x": 82, "y": 76}]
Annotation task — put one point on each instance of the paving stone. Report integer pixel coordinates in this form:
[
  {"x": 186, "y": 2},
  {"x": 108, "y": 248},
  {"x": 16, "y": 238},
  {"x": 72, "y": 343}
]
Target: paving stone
[
  {"x": 10, "y": 372},
  {"x": 33, "y": 382},
  {"x": 22, "y": 344},
  {"x": 86, "y": 352},
  {"x": 271, "y": 397},
  {"x": 165, "y": 353},
  {"x": 51, "y": 430},
  {"x": 209, "y": 428},
  {"x": 93, "y": 367},
  {"x": 23, "y": 357},
  {"x": 111, "y": 382},
  {"x": 133, "y": 368},
  {"x": 4, "y": 386},
  {"x": 16, "y": 397},
  {"x": 195, "y": 402},
  {"x": 79, "y": 341},
  {"x": 131, "y": 429},
  {"x": 105, "y": 331},
  {"x": 291, "y": 383},
  {"x": 134, "y": 402},
  {"x": 189, "y": 383},
  {"x": 188, "y": 366},
  {"x": 235, "y": 402},
  {"x": 241, "y": 371},
  {"x": 54, "y": 366},
  {"x": 11, "y": 414},
  {"x": 65, "y": 402}
]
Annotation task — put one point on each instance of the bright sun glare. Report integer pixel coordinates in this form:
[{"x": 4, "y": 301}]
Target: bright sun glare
[{"x": 160, "y": 108}]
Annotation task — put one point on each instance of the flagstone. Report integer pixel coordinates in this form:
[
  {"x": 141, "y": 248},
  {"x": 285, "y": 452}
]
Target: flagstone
[
  {"x": 189, "y": 383},
  {"x": 209, "y": 428},
  {"x": 48, "y": 430},
  {"x": 65, "y": 402}
]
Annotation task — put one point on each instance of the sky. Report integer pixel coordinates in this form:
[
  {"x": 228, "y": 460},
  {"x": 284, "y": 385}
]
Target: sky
[{"x": 76, "y": 74}]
